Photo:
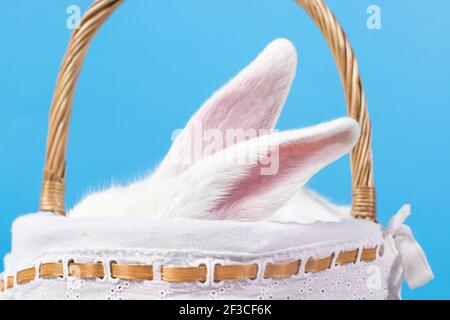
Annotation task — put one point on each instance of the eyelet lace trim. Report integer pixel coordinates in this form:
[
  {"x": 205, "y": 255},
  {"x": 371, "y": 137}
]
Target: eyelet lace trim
[{"x": 177, "y": 274}]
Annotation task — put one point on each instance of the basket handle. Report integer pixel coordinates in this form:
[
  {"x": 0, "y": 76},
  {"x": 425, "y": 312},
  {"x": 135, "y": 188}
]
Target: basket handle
[{"x": 52, "y": 197}]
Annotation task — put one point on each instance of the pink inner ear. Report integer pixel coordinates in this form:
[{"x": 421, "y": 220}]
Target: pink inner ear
[
  {"x": 251, "y": 104},
  {"x": 251, "y": 101},
  {"x": 258, "y": 196}
]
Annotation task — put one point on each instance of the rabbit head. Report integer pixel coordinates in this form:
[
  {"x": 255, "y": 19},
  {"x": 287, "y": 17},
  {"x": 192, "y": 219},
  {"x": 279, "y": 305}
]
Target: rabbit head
[{"x": 228, "y": 163}]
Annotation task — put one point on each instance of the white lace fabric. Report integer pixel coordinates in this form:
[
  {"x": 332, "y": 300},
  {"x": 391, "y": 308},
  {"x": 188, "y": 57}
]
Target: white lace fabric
[
  {"x": 163, "y": 243},
  {"x": 356, "y": 281}
]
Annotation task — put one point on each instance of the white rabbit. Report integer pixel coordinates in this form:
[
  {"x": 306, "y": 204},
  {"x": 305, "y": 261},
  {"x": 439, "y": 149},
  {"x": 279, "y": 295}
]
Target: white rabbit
[{"x": 255, "y": 175}]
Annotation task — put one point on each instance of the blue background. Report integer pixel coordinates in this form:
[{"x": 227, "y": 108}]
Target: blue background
[{"x": 155, "y": 62}]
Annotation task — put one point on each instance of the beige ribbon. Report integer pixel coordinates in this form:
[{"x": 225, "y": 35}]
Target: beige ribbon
[{"x": 176, "y": 274}]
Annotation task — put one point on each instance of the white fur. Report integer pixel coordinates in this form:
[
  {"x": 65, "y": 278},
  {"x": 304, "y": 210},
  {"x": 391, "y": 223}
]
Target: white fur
[{"x": 225, "y": 184}]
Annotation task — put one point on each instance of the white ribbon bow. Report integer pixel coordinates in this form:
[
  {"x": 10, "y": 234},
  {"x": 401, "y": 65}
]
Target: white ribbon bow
[{"x": 416, "y": 269}]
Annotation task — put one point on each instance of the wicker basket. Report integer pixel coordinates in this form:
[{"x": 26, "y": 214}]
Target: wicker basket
[{"x": 54, "y": 257}]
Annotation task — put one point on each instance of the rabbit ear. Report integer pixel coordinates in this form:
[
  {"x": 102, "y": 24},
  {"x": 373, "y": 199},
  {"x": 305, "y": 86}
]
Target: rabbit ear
[
  {"x": 253, "y": 179},
  {"x": 252, "y": 102}
]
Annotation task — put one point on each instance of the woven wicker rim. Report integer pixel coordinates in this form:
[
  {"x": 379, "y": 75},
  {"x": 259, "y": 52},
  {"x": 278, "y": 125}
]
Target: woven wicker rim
[{"x": 53, "y": 189}]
